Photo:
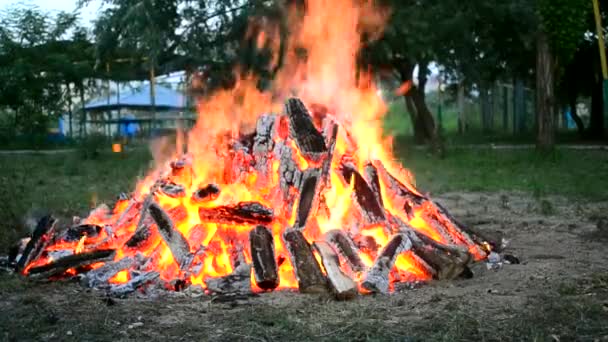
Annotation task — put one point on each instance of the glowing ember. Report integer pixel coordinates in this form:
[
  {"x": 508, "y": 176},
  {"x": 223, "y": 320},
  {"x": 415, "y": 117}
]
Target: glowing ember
[{"x": 189, "y": 221}]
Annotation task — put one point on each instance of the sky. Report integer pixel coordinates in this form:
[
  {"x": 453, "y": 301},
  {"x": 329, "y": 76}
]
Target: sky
[{"x": 87, "y": 14}]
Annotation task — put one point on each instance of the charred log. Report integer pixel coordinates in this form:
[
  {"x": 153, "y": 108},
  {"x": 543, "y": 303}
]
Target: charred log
[
  {"x": 372, "y": 178},
  {"x": 76, "y": 233},
  {"x": 103, "y": 274},
  {"x": 449, "y": 262},
  {"x": 395, "y": 188},
  {"x": 41, "y": 236},
  {"x": 241, "y": 213},
  {"x": 376, "y": 279},
  {"x": 263, "y": 144},
  {"x": 342, "y": 285},
  {"x": 173, "y": 190},
  {"x": 173, "y": 238},
  {"x": 346, "y": 247},
  {"x": 307, "y": 270},
  {"x": 205, "y": 194},
  {"x": 364, "y": 197},
  {"x": 135, "y": 283},
  {"x": 60, "y": 266},
  {"x": 308, "y": 139},
  {"x": 239, "y": 282},
  {"x": 290, "y": 175},
  {"x": 309, "y": 197},
  {"x": 265, "y": 267}
]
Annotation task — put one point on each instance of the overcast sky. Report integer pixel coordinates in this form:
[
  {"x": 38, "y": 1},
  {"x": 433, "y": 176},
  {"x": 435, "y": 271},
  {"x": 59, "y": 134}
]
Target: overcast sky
[{"x": 87, "y": 14}]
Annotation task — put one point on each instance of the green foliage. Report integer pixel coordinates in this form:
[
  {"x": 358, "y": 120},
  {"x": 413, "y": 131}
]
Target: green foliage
[
  {"x": 91, "y": 146},
  {"x": 565, "y": 22}
]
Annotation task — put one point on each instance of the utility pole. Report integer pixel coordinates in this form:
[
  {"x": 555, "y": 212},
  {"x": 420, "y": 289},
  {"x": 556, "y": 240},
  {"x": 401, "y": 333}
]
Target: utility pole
[{"x": 600, "y": 40}]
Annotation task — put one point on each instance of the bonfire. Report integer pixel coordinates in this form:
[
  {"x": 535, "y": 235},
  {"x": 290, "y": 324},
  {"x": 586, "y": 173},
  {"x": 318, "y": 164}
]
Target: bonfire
[{"x": 307, "y": 196}]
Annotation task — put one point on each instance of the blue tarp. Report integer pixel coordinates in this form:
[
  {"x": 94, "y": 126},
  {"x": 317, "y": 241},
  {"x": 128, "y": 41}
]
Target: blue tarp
[{"x": 165, "y": 99}]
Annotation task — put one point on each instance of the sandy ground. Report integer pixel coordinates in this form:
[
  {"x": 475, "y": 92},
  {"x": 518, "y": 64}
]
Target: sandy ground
[{"x": 552, "y": 295}]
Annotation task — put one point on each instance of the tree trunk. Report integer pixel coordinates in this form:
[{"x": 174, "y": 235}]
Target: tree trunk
[
  {"x": 544, "y": 94},
  {"x": 70, "y": 110},
  {"x": 596, "y": 123},
  {"x": 462, "y": 121}
]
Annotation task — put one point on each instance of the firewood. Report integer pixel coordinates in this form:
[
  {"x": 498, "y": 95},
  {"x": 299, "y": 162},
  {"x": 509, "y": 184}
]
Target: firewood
[
  {"x": 469, "y": 234},
  {"x": 265, "y": 267},
  {"x": 343, "y": 286},
  {"x": 207, "y": 193},
  {"x": 371, "y": 176},
  {"x": 290, "y": 175},
  {"x": 174, "y": 239},
  {"x": 173, "y": 190},
  {"x": 395, "y": 188},
  {"x": 309, "y": 197},
  {"x": 308, "y": 139},
  {"x": 345, "y": 246},
  {"x": 60, "y": 266},
  {"x": 103, "y": 274},
  {"x": 239, "y": 282},
  {"x": 140, "y": 237},
  {"x": 75, "y": 233},
  {"x": 240, "y": 213},
  {"x": 136, "y": 282},
  {"x": 364, "y": 197},
  {"x": 376, "y": 278},
  {"x": 263, "y": 144},
  {"x": 448, "y": 261},
  {"x": 307, "y": 270},
  {"x": 41, "y": 236}
]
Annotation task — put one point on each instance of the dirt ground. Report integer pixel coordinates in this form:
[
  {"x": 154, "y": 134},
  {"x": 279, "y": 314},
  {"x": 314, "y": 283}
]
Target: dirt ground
[{"x": 559, "y": 292}]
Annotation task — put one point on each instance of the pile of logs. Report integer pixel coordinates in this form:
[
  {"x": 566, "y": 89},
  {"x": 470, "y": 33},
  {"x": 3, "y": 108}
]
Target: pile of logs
[{"x": 332, "y": 263}]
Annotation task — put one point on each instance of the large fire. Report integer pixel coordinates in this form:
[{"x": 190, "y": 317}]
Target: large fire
[{"x": 221, "y": 168}]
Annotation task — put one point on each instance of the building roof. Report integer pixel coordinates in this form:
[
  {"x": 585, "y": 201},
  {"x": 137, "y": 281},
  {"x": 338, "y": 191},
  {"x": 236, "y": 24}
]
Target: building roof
[{"x": 166, "y": 99}]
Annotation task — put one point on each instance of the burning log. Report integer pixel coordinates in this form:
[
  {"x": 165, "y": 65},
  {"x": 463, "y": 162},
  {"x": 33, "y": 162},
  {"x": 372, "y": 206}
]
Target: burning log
[
  {"x": 265, "y": 267},
  {"x": 173, "y": 238},
  {"x": 364, "y": 196},
  {"x": 307, "y": 270},
  {"x": 76, "y": 233},
  {"x": 376, "y": 279},
  {"x": 290, "y": 175},
  {"x": 173, "y": 190},
  {"x": 449, "y": 262},
  {"x": 205, "y": 194},
  {"x": 309, "y": 196},
  {"x": 241, "y": 213},
  {"x": 346, "y": 247},
  {"x": 372, "y": 178},
  {"x": 60, "y": 266},
  {"x": 302, "y": 130},
  {"x": 135, "y": 283},
  {"x": 395, "y": 188},
  {"x": 343, "y": 287},
  {"x": 237, "y": 283},
  {"x": 263, "y": 144},
  {"x": 41, "y": 236},
  {"x": 103, "y": 274}
]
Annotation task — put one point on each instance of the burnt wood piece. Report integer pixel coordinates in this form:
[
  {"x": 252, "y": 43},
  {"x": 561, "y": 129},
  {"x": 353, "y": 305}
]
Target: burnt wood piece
[
  {"x": 395, "y": 188},
  {"x": 309, "y": 197},
  {"x": 101, "y": 275},
  {"x": 41, "y": 236},
  {"x": 16, "y": 251},
  {"x": 363, "y": 195},
  {"x": 135, "y": 283},
  {"x": 342, "y": 285},
  {"x": 290, "y": 175},
  {"x": 173, "y": 190},
  {"x": 76, "y": 233},
  {"x": 128, "y": 215},
  {"x": 207, "y": 193},
  {"x": 265, "y": 269},
  {"x": 61, "y": 265},
  {"x": 307, "y": 270},
  {"x": 237, "y": 283},
  {"x": 173, "y": 238},
  {"x": 346, "y": 247},
  {"x": 242, "y": 212},
  {"x": 263, "y": 144},
  {"x": 470, "y": 234},
  {"x": 376, "y": 279},
  {"x": 140, "y": 236},
  {"x": 449, "y": 261},
  {"x": 371, "y": 176},
  {"x": 308, "y": 139}
]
